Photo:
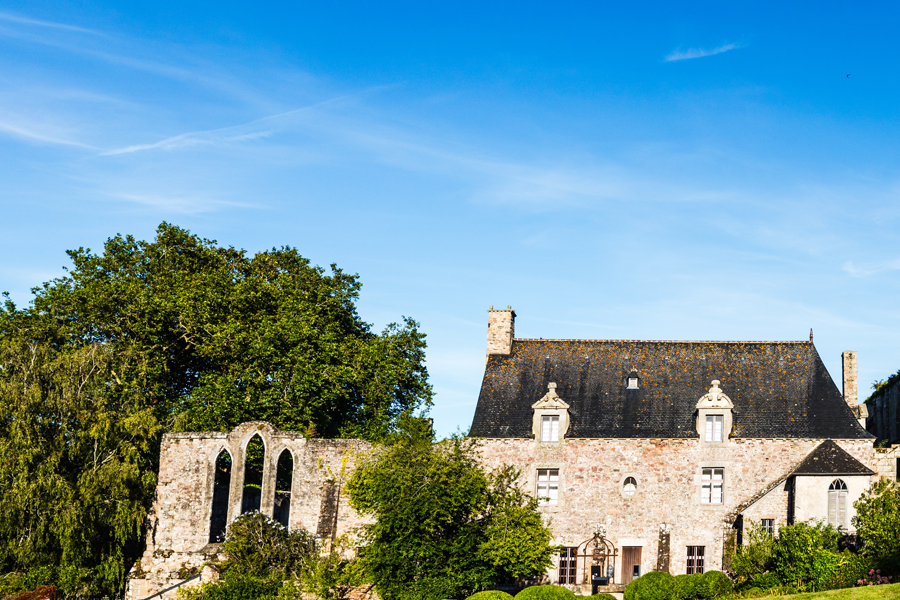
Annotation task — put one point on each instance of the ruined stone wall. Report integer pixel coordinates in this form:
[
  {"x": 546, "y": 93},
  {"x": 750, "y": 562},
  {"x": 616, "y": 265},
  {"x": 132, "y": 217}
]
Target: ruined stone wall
[
  {"x": 883, "y": 420},
  {"x": 178, "y": 528},
  {"x": 668, "y": 474}
]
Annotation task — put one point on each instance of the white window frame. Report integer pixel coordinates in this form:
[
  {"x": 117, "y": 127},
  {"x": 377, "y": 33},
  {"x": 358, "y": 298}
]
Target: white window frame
[
  {"x": 837, "y": 503},
  {"x": 550, "y": 428},
  {"x": 547, "y": 486},
  {"x": 715, "y": 425},
  {"x": 633, "y": 383},
  {"x": 712, "y": 485}
]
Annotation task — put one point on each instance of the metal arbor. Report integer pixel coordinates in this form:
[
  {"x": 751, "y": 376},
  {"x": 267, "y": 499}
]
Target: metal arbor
[{"x": 597, "y": 551}]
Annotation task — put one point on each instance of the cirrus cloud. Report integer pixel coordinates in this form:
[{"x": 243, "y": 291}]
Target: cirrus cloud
[{"x": 699, "y": 52}]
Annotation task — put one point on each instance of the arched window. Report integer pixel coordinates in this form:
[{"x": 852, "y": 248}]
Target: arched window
[
  {"x": 629, "y": 487},
  {"x": 218, "y": 519},
  {"x": 283, "y": 479},
  {"x": 254, "y": 459},
  {"x": 837, "y": 503}
]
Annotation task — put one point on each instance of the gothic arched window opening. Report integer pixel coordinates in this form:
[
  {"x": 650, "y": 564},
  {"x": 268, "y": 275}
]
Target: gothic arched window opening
[
  {"x": 283, "y": 480},
  {"x": 254, "y": 459},
  {"x": 218, "y": 519}
]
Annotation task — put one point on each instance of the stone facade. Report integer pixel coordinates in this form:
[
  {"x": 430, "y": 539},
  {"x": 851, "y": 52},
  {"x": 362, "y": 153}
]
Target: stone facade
[
  {"x": 668, "y": 495},
  {"x": 884, "y": 412},
  {"x": 178, "y": 528}
]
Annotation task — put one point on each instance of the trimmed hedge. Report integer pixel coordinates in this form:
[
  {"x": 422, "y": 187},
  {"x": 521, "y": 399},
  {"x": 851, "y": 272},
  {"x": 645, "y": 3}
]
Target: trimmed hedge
[
  {"x": 656, "y": 585},
  {"x": 490, "y": 595},
  {"x": 545, "y": 592},
  {"x": 691, "y": 587},
  {"x": 718, "y": 584},
  {"x": 604, "y": 596}
]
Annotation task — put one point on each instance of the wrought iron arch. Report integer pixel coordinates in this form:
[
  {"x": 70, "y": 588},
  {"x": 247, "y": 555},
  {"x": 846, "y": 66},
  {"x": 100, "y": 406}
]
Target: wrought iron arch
[{"x": 596, "y": 551}]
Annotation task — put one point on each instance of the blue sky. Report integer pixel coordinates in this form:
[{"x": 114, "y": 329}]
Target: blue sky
[{"x": 643, "y": 171}]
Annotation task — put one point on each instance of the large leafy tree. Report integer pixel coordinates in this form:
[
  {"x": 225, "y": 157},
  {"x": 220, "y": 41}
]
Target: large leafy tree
[
  {"x": 443, "y": 527},
  {"x": 877, "y": 524},
  {"x": 175, "y": 333}
]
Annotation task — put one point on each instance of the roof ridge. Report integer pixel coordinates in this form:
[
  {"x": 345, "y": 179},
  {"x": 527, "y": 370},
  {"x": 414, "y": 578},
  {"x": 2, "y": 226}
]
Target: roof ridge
[{"x": 665, "y": 341}]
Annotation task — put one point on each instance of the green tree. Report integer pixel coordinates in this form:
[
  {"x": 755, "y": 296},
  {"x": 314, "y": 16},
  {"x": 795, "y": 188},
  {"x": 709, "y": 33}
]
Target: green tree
[
  {"x": 877, "y": 524},
  {"x": 443, "y": 527},
  {"x": 77, "y": 472},
  {"x": 177, "y": 333}
]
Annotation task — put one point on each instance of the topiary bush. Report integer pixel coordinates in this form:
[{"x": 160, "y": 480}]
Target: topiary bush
[
  {"x": 690, "y": 587},
  {"x": 657, "y": 585},
  {"x": 717, "y": 583},
  {"x": 604, "y": 596},
  {"x": 545, "y": 592},
  {"x": 490, "y": 595}
]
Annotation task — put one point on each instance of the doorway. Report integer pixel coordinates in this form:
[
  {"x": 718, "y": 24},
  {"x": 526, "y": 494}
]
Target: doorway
[{"x": 631, "y": 563}]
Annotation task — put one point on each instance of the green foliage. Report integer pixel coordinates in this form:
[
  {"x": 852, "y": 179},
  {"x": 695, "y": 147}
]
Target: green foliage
[
  {"x": 604, "y": 596},
  {"x": 176, "y": 333},
  {"x": 717, "y": 583},
  {"x": 490, "y": 595},
  {"x": 77, "y": 464},
  {"x": 329, "y": 574},
  {"x": 806, "y": 555},
  {"x": 545, "y": 592},
  {"x": 690, "y": 587},
  {"x": 257, "y": 545},
  {"x": 656, "y": 585},
  {"x": 235, "y": 585},
  {"x": 877, "y": 524},
  {"x": 754, "y": 556},
  {"x": 443, "y": 527}
]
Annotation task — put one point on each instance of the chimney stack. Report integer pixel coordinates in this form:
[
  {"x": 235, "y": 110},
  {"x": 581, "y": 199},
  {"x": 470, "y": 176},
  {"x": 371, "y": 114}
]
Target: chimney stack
[
  {"x": 501, "y": 330},
  {"x": 849, "y": 359}
]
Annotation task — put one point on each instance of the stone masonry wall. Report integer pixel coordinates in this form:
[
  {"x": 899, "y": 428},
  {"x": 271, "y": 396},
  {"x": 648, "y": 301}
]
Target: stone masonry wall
[
  {"x": 884, "y": 420},
  {"x": 668, "y": 474},
  {"x": 178, "y": 528}
]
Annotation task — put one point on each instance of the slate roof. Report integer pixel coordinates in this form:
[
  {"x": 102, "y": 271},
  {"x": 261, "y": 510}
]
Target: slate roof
[
  {"x": 779, "y": 389},
  {"x": 830, "y": 459}
]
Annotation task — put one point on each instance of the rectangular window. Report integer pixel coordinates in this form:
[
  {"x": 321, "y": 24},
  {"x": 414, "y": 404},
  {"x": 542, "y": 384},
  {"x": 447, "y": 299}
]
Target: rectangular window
[
  {"x": 897, "y": 471},
  {"x": 547, "y": 486},
  {"x": 714, "y": 428},
  {"x": 550, "y": 428},
  {"x": 712, "y": 486},
  {"x": 695, "y": 556},
  {"x": 567, "y": 566},
  {"x": 768, "y": 526}
]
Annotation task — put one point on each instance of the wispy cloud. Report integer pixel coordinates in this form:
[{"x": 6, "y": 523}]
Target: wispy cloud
[
  {"x": 20, "y": 131},
  {"x": 699, "y": 52},
  {"x": 868, "y": 269},
  {"x": 12, "y": 18},
  {"x": 181, "y": 204}
]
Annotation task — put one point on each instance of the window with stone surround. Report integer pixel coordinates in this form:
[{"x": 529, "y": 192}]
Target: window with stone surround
[
  {"x": 547, "y": 487},
  {"x": 218, "y": 519},
  {"x": 695, "y": 559},
  {"x": 768, "y": 526},
  {"x": 629, "y": 488},
  {"x": 712, "y": 486},
  {"x": 714, "y": 428},
  {"x": 550, "y": 428},
  {"x": 837, "y": 503},
  {"x": 567, "y": 565}
]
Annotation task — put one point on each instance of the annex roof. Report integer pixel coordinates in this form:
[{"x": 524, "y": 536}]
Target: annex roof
[
  {"x": 779, "y": 389},
  {"x": 830, "y": 459}
]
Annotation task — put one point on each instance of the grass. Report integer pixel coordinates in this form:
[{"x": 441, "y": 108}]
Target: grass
[{"x": 871, "y": 592}]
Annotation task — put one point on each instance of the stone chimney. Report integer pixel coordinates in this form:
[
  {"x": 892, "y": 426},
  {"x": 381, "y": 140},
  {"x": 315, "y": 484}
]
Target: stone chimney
[
  {"x": 849, "y": 359},
  {"x": 501, "y": 330}
]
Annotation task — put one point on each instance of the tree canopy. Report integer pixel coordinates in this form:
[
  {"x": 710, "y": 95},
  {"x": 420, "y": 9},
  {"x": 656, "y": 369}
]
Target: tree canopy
[
  {"x": 443, "y": 526},
  {"x": 177, "y": 333}
]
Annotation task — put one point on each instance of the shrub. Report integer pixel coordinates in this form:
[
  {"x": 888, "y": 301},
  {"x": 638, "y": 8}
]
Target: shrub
[
  {"x": 604, "y": 596},
  {"x": 689, "y": 587},
  {"x": 490, "y": 595},
  {"x": 545, "y": 592},
  {"x": 234, "y": 586},
  {"x": 657, "y": 585},
  {"x": 256, "y": 544},
  {"x": 717, "y": 583},
  {"x": 765, "y": 581}
]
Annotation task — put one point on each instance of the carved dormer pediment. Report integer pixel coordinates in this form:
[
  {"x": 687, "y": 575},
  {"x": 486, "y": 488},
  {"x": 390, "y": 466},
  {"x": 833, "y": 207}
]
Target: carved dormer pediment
[
  {"x": 714, "y": 418},
  {"x": 551, "y": 417},
  {"x": 550, "y": 400},
  {"x": 715, "y": 398}
]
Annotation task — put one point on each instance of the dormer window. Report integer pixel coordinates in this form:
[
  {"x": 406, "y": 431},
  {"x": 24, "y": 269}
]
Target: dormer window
[
  {"x": 714, "y": 427},
  {"x": 633, "y": 381},
  {"x": 550, "y": 428}
]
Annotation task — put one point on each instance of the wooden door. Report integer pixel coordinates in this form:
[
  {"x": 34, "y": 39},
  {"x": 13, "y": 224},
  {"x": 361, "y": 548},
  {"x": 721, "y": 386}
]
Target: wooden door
[{"x": 631, "y": 558}]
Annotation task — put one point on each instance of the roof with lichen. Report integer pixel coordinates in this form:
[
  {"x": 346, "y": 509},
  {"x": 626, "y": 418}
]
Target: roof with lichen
[
  {"x": 779, "y": 389},
  {"x": 830, "y": 459}
]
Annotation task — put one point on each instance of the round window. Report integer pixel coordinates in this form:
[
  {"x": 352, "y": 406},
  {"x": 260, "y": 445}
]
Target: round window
[{"x": 629, "y": 487}]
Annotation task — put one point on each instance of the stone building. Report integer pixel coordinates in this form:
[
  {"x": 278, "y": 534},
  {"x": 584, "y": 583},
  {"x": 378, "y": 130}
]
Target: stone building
[
  {"x": 645, "y": 455},
  {"x": 205, "y": 483},
  {"x": 652, "y": 455}
]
